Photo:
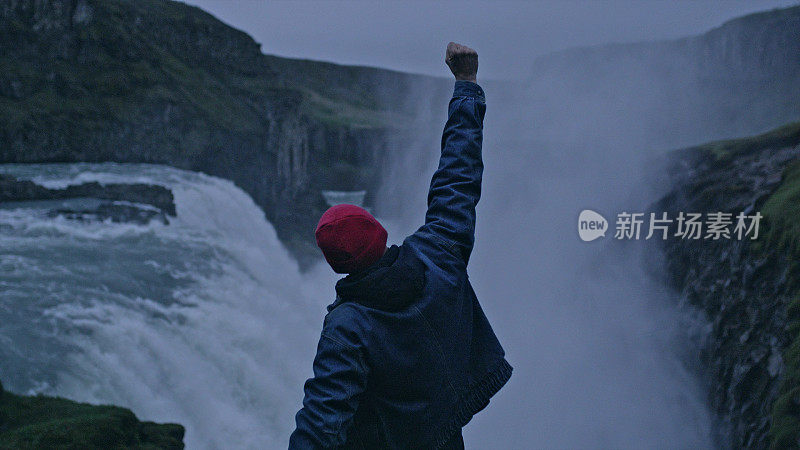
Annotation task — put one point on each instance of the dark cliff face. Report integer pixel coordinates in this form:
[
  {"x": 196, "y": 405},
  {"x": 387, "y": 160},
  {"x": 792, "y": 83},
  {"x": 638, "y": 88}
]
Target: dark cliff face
[
  {"x": 745, "y": 288},
  {"x": 759, "y": 46},
  {"x": 162, "y": 82}
]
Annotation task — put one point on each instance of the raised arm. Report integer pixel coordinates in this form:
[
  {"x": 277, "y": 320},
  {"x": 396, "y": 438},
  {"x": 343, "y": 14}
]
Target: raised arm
[{"x": 456, "y": 185}]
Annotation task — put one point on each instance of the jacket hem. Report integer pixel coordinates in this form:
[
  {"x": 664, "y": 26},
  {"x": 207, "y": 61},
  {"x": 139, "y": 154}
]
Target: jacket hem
[{"x": 475, "y": 400}]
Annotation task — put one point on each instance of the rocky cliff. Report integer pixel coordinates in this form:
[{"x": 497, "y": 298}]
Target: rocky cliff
[
  {"x": 748, "y": 290},
  {"x": 163, "y": 82}
]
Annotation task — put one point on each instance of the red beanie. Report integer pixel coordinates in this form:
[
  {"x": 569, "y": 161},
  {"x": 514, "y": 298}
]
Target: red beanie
[{"x": 350, "y": 238}]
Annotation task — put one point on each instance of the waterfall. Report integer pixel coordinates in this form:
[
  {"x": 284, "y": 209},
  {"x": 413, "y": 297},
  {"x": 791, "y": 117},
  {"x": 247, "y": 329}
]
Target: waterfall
[
  {"x": 333, "y": 198},
  {"x": 206, "y": 321}
]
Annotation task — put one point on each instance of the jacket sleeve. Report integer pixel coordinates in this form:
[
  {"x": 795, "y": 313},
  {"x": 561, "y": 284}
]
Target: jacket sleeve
[
  {"x": 331, "y": 396},
  {"x": 456, "y": 185}
]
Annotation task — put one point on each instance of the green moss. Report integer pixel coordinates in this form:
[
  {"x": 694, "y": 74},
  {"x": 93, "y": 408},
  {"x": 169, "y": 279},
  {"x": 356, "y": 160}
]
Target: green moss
[
  {"x": 785, "y": 136},
  {"x": 785, "y": 421},
  {"x": 782, "y": 231},
  {"x": 46, "y": 422},
  {"x": 781, "y": 212},
  {"x": 339, "y": 114}
]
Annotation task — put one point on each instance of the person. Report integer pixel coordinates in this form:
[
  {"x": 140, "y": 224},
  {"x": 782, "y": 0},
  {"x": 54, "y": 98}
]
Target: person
[{"x": 406, "y": 356}]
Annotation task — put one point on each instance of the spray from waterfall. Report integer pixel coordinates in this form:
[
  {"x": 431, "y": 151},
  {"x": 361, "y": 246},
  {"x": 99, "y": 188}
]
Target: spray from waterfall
[
  {"x": 206, "y": 321},
  {"x": 601, "y": 354}
]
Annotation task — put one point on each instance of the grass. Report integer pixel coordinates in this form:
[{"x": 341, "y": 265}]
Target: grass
[
  {"x": 784, "y": 136},
  {"x": 782, "y": 231},
  {"x": 39, "y": 422},
  {"x": 132, "y": 69},
  {"x": 781, "y": 212}
]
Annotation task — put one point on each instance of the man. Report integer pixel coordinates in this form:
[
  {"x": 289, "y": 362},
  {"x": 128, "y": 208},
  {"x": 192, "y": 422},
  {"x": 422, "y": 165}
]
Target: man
[{"x": 406, "y": 356}]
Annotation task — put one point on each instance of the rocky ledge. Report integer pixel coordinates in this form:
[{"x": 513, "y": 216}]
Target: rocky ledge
[
  {"x": 39, "y": 422},
  {"x": 117, "y": 202}
]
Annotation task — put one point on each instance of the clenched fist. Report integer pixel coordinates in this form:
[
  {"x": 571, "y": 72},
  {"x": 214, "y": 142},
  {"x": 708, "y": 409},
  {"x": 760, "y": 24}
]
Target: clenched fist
[{"x": 462, "y": 61}]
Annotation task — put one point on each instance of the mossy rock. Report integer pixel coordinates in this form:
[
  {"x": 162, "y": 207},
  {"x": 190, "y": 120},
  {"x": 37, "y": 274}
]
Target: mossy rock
[
  {"x": 782, "y": 231},
  {"x": 39, "y": 422},
  {"x": 781, "y": 211},
  {"x": 786, "y": 421}
]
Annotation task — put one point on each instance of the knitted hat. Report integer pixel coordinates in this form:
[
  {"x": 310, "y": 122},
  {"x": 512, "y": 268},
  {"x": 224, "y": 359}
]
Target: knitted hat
[{"x": 350, "y": 238}]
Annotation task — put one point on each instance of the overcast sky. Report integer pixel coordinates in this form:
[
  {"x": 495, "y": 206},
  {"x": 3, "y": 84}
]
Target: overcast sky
[{"x": 411, "y": 35}]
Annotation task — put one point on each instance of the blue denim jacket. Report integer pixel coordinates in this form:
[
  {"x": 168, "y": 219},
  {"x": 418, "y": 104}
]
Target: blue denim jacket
[{"x": 406, "y": 356}]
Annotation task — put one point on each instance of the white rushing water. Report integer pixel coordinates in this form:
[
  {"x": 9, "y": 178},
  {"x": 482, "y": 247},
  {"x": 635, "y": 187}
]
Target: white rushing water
[{"x": 205, "y": 321}]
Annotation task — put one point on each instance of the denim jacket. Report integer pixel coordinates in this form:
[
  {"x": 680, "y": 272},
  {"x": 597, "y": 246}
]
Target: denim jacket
[{"x": 406, "y": 355}]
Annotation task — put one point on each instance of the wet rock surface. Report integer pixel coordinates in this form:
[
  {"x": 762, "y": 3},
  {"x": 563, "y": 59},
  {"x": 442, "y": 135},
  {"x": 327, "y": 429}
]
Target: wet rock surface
[{"x": 119, "y": 203}]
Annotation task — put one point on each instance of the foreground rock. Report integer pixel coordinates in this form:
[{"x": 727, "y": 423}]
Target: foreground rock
[
  {"x": 130, "y": 203},
  {"x": 747, "y": 289},
  {"x": 48, "y": 422}
]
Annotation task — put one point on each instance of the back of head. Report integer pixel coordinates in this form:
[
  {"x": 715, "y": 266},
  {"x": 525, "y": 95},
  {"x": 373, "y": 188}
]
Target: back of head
[{"x": 350, "y": 238}]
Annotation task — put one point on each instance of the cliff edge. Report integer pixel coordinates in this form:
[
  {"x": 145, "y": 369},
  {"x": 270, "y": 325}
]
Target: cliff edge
[
  {"x": 40, "y": 422},
  {"x": 748, "y": 290}
]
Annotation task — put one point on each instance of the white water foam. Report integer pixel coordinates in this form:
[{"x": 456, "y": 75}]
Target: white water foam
[{"x": 206, "y": 321}]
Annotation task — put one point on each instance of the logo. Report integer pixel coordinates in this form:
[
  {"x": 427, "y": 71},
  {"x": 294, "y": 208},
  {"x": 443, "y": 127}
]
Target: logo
[
  {"x": 690, "y": 226},
  {"x": 591, "y": 225}
]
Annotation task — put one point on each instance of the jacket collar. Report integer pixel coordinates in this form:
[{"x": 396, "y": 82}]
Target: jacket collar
[{"x": 391, "y": 283}]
